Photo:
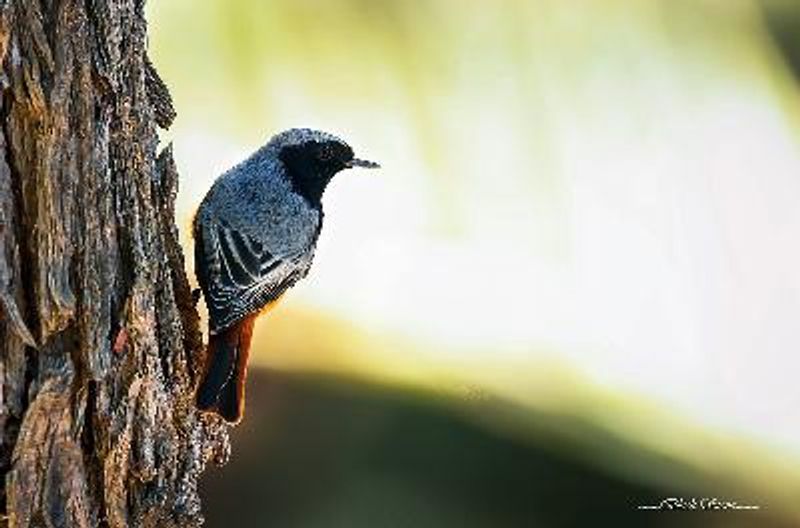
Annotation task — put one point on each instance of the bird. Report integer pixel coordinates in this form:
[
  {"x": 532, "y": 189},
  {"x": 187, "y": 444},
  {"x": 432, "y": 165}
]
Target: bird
[{"x": 255, "y": 233}]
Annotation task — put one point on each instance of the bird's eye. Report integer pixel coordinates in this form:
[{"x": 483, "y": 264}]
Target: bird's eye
[{"x": 326, "y": 153}]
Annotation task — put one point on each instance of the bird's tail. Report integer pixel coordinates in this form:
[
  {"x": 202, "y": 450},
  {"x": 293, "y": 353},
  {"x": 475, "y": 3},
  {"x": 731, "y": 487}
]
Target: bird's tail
[{"x": 221, "y": 389}]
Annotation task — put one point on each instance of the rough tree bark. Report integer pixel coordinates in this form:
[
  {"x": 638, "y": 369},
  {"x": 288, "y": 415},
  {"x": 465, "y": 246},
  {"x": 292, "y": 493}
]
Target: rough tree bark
[{"x": 99, "y": 336}]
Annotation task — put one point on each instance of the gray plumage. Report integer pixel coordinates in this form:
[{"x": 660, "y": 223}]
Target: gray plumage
[{"x": 257, "y": 228}]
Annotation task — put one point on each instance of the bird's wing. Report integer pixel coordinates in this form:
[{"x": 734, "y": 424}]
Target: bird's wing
[{"x": 239, "y": 275}]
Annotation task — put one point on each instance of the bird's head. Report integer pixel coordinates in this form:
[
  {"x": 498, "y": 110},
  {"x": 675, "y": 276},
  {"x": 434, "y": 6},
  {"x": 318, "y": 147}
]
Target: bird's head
[{"x": 312, "y": 158}]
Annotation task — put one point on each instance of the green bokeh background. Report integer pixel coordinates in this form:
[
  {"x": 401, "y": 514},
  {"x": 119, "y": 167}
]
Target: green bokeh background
[{"x": 406, "y": 385}]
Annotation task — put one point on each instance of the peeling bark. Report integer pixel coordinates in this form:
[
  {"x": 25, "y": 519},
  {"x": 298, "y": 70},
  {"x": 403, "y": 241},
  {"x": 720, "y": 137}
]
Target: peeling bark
[{"x": 99, "y": 334}]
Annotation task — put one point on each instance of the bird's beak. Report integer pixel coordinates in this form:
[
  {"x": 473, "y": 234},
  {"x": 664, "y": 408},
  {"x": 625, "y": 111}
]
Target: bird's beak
[{"x": 355, "y": 162}]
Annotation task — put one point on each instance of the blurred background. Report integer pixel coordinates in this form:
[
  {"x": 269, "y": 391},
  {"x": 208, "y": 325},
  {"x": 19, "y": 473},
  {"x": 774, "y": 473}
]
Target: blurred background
[{"x": 572, "y": 290}]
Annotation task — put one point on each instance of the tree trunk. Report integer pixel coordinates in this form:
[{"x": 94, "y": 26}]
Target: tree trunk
[{"x": 99, "y": 337}]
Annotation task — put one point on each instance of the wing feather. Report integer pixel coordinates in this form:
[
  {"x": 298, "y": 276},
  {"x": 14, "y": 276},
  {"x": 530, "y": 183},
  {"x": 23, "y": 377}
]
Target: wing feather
[{"x": 240, "y": 276}]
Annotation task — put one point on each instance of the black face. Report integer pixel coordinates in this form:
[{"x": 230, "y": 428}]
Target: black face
[{"x": 313, "y": 164}]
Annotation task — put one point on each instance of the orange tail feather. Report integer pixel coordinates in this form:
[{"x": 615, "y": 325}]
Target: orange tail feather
[{"x": 221, "y": 388}]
